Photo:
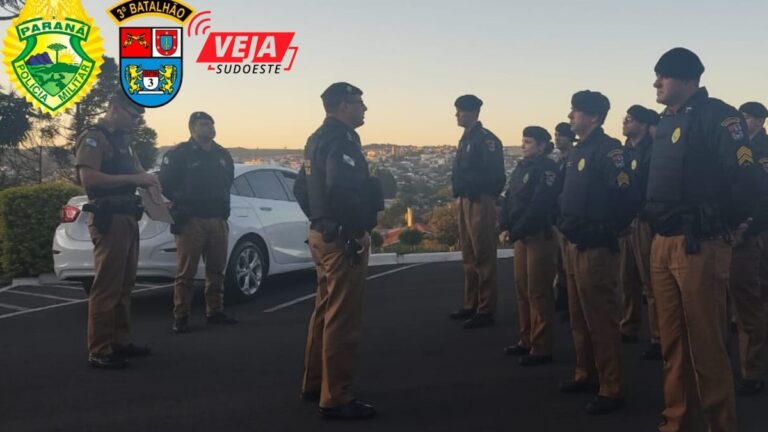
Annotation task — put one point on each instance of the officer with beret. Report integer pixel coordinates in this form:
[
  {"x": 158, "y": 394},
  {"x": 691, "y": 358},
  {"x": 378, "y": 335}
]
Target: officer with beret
[
  {"x": 748, "y": 297},
  {"x": 526, "y": 220},
  {"x": 701, "y": 184},
  {"x": 564, "y": 139},
  {"x": 596, "y": 205},
  {"x": 635, "y": 246},
  {"x": 197, "y": 176},
  {"x": 341, "y": 200},
  {"x": 478, "y": 178},
  {"x": 110, "y": 171}
]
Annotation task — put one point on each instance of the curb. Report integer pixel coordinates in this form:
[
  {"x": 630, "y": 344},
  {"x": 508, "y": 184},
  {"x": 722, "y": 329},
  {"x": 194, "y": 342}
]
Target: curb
[{"x": 380, "y": 259}]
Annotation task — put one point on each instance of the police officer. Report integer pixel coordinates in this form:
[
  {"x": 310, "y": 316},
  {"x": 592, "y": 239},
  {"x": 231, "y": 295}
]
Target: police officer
[
  {"x": 701, "y": 184},
  {"x": 196, "y": 176},
  {"x": 110, "y": 171},
  {"x": 745, "y": 288},
  {"x": 635, "y": 247},
  {"x": 478, "y": 178},
  {"x": 596, "y": 204},
  {"x": 341, "y": 200},
  {"x": 526, "y": 220},
  {"x": 564, "y": 139}
]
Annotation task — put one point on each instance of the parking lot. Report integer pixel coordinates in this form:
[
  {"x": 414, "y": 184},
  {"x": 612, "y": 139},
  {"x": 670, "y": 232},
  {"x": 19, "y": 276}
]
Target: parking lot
[{"x": 422, "y": 370}]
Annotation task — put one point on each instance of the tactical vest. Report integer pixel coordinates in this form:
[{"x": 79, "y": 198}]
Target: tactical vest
[
  {"x": 121, "y": 163},
  {"x": 204, "y": 192},
  {"x": 585, "y": 194},
  {"x": 683, "y": 172}
]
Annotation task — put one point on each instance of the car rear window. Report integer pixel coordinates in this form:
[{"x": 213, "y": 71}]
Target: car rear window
[{"x": 266, "y": 185}]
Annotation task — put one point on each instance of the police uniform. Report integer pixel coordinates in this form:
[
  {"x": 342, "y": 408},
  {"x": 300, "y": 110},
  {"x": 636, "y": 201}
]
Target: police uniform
[
  {"x": 701, "y": 181},
  {"x": 561, "y": 278},
  {"x": 478, "y": 178},
  {"x": 745, "y": 286},
  {"x": 527, "y": 215},
  {"x": 596, "y": 205},
  {"x": 198, "y": 182},
  {"x": 341, "y": 200},
  {"x": 113, "y": 227}
]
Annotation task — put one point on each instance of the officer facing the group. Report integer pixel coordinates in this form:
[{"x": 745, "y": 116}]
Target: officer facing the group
[
  {"x": 635, "y": 268},
  {"x": 341, "y": 200},
  {"x": 597, "y": 203},
  {"x": 110, "y": 171},
  {"x": 478, "y": 179},
  {"x": 196, "y": 176},
  {"x": 526, "y": 220},
  {"x": 564, "y": 139},
  {"x": 745, "y": 287},
  {"x": 701, "y": 184}
]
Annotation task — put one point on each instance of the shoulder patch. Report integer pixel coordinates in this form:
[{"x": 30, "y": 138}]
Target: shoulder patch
[
  {"x": 549, "y": 178},
  {"x": 166, "y": 161},
  {"x": 764, "y": 163},
  {"x": 744, "y": 156},
  {"x": 348, "y": 160},
  {"x": 622, "y": 180},
  {"x": 308, "y": 167},
  {"x": 617, "y": 156},
  {"x": 90, "y": 142},
  {"x": 491, "y": 144},
  {"x": 525, "y": 178}
]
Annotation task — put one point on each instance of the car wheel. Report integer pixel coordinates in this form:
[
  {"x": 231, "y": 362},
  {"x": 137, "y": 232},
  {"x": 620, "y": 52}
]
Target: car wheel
[
  {"x": 87, "y": 284},
  {"x": 246, "y": 271}
]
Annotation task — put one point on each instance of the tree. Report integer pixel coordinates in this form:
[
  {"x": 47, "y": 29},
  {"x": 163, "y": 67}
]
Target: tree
[
  {"x": 15, "y": 123},
  {"x": 444, "y": 222},
  {"x": 57, "y": 47},
  {"x": 410, "y": 237},
  {"x": 12, "y": 8},
  {"x": 144, "y": 141},
  {"x": 393, "y": 216}
]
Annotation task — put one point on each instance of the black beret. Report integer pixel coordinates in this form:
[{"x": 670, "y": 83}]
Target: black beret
[
  {"x": 468, "y": 103},
  {"x": 122, "y": 100},
  {"x": 679, "y": 63},
  {"x": 199, "y": 115},
  {"x": 590, "y": 102},
  {"x": 340, "y": 90},
  {"x": 641, "y": 114},
  {"x": 755, "y": 109},
  {"x": 564, "y": 129},
  {"x": 538, "y": 133},
  {"x": 654, "y": 117}
]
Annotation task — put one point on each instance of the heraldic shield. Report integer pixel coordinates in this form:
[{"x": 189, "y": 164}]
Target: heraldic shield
[{"x": 150, "y": 64}]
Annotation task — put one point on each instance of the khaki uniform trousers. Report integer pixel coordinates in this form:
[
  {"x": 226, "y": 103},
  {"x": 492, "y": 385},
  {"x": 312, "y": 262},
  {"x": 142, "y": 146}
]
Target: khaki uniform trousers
[
  {"x": 534, "y": 272},
  {"x": 631, "y": 288},
  {"x": 749, "y": 303},
  {"x": 334, "y": 328},
  {"x": 206, "y": 237},
  {"x": 593, "y": 304},
  {"x": 561, "y": 276},
  {"x": 641, "y": 247},
  {"x": 115, "y": 256},
  {"x": 477, "y": 236},
  {"x": 691, "y": 301}
]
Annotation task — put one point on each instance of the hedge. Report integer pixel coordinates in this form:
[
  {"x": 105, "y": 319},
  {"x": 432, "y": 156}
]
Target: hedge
[{"x": 28, "y": 219}]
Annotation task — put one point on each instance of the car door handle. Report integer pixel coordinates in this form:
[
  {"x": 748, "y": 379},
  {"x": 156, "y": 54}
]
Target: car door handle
[{"x": 265, "y": 208}]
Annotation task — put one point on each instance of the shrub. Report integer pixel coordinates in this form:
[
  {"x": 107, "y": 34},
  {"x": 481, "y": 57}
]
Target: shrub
[{"x": 28, "y": 218}]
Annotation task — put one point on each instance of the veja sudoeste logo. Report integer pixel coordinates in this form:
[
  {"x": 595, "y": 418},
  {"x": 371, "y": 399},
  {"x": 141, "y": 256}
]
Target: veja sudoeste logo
[
  {"x": 151, "y": 58},
  {"x": 53, "y": 53},
  {"x": 243, "y": 52}
]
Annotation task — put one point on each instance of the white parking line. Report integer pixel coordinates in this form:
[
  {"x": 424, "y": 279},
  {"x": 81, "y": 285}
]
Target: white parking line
[
  {"x": 23, "y": 311},
  {"x": 311, "y": 296},
  {"x": 13, "y": 307},
  {"x": 46, "y": 296}
]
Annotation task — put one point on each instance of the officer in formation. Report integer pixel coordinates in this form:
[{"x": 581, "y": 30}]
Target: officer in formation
[
  {"x": 635, "y": 244},
  {"x": 478, "y": 178},
  {"x": 341, "y": 200},
  {"x": 196, "y": 177},
  {"x": 564, "y": 140},
  {"x": 110, "y": 171},
  {"x": 701, "y": 184},
  {"x": 527, "y": 220},
  {"x": 596, "y": 205},
  {"x": 745, "y": 285}
]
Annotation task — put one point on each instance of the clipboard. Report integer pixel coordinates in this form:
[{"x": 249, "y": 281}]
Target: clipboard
[{"x": 154, "y": 206}]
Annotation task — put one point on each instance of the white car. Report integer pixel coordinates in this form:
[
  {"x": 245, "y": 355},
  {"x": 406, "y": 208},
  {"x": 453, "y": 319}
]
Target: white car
[{"x": 267, "y": 235}]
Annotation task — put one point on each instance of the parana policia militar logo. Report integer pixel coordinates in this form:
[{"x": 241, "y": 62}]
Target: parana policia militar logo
[
  {"x": 151, "y": 57},
  {"x": 53, "y": 53}
]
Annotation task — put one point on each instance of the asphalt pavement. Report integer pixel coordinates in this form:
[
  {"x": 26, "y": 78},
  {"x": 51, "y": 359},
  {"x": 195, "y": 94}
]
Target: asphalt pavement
[{"x": 423, "y": 371}]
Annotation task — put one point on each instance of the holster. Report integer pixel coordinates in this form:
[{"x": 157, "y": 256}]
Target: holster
[
  {"x": 692, "y": 244},
  {"x": 104, "y": 208},
  {"x": 180, "y": 218}
]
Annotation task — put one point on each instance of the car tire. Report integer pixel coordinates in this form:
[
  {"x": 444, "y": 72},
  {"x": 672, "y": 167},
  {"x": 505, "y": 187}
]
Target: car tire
[
  {"x": 87, "y": 284},
  {"x": 246, "y": 271}
]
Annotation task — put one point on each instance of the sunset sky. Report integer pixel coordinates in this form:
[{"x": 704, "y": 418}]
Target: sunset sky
[{"x": 413, "y": 58}]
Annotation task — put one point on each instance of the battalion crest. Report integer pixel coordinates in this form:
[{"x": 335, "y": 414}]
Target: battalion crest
[
  {"x": 53, "y": 53},
  {"x": 151, "y": 64}
]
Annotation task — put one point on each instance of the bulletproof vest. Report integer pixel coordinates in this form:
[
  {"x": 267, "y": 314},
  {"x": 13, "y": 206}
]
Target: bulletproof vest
[
  {"x": 585, "y": 194},
  {"x": 683, "y": 172},
  {"x": 121, "y": 163}
]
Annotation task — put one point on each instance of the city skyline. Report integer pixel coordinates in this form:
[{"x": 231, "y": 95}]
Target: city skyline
[{"x": 412, "y": 60}]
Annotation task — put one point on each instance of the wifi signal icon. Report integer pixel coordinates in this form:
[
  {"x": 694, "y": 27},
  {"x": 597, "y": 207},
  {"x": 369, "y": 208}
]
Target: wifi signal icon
[{"x": 200, "y": 22}]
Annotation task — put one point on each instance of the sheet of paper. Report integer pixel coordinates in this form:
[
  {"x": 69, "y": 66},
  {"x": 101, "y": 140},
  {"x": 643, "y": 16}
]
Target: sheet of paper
[{"x": 154, "y": 205}]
